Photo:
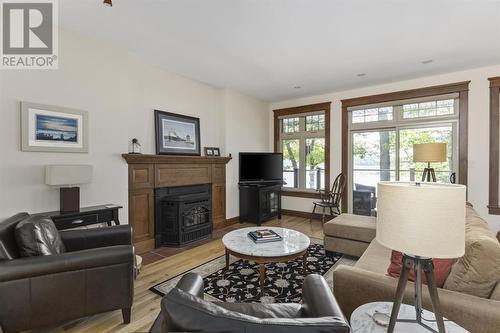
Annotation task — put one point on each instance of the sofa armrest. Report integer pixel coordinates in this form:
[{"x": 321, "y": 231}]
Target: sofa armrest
[
  {"x": 82, "y": 239},
  {"x": 354, "y": 286},
  {"x": 191, "y": 283},
  {"x": 318, "y": 299},
  {"x": 30, "y": 267}
]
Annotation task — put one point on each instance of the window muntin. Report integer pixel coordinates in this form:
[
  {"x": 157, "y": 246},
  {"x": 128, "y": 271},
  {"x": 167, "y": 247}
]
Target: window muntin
[
  {"x": 372, "y": 114},
  {"x": 290, "y": 125},
  {"x": 436, "y": 108},
  {"x": 315, "y": 122},
  {"x": 304, "y": 151}
]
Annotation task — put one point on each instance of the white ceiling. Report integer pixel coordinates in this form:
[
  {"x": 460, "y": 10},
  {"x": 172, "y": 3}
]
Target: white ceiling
[{"x": 266, "y": 47}]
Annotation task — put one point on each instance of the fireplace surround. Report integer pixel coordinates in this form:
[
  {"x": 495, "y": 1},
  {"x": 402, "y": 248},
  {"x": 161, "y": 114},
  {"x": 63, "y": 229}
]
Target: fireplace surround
[{"x": 146, "y": 173}]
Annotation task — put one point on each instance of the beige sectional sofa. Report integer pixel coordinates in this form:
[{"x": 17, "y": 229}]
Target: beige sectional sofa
[{"x": 367, "y": 280}]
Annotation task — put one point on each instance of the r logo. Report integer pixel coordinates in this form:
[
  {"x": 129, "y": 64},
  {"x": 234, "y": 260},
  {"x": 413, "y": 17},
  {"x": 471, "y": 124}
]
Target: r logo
[
  {"x": 29, "y": 34},
  {"x": 27, "y": 28}
]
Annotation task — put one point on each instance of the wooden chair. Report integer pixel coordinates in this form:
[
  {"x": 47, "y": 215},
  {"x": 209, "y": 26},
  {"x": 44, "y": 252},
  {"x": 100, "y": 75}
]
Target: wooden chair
[{"x": 331, "y": 199}]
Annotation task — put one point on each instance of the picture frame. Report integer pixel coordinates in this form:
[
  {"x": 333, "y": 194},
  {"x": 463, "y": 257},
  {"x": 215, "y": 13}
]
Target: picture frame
[
  {"x": 209, "y": 151},
  {"x": 216, "y": 151},
  {"x": 47, "y": 128},
  {"x": 177, "y": 134}
]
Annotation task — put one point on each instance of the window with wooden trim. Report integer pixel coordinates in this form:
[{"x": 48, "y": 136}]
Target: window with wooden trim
[
  {"x": 373, "y": 143},
  {"x": 302, "y": 135}
]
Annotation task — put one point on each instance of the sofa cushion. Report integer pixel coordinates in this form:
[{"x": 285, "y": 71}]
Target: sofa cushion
[
  {"x": 348, "y": 247},
  {"x": 375, "y": 259},
  {"x": 478, "y": 271},
  {"x": 496, "y": 292},
  {"x": 442, "y": 268},
  {"x": 349, "y": 226},
  {"x": 37, "y": 236},
  {"x": 8, "y": 245}
]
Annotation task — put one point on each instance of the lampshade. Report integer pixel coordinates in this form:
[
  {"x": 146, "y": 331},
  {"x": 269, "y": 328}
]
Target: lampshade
[
  {"x": 429, "y": 152},
  {"x": 60, "y": 175},
  {"x": 426, "y": 219}
]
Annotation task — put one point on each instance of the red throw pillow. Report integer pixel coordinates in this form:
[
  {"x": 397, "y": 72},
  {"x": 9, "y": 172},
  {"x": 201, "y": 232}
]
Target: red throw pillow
[{"x": 442, "y": 268}]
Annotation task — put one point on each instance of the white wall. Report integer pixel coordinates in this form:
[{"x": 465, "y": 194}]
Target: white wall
[
  {"x": 478, "y": 129},
  {"x": 120, "y": 93},
  {"x": 247, "y": 129}
]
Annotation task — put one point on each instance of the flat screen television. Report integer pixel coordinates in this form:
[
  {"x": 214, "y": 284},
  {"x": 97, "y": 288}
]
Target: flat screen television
[{"x": 261, "y": 167}]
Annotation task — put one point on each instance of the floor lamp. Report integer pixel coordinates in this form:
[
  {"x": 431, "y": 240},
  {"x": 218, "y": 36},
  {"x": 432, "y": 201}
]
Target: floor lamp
[
  {"x": 423, "y": 221},
  {"x": 428, "y": 153}
]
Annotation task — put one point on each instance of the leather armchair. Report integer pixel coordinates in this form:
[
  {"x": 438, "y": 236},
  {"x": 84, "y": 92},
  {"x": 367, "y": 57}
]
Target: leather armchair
[
  {"x": 95, "y": 275},
  {"x": 184, "y": 310}
]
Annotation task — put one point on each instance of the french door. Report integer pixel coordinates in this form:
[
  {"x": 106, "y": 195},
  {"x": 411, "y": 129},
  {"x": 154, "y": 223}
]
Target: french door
[{"x": 386, "y": 154}]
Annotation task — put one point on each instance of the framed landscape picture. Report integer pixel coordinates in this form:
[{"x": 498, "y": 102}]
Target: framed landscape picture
[
  {"x": 177, "y": 134},
  {"x": 46, "y": 128}
]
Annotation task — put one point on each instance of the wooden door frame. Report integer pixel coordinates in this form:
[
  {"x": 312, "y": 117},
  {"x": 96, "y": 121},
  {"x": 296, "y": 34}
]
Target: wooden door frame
[
  {"x": 462, "y": 88},
  {"x": 493, "y": 205}
]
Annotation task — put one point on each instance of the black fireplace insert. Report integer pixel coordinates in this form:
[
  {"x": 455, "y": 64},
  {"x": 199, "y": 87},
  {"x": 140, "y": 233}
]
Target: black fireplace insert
[{"x": 183, "y": 215}]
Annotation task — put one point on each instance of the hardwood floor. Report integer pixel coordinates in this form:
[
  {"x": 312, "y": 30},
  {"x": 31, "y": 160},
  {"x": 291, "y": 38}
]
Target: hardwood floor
[{"x": 147, "y": 304}]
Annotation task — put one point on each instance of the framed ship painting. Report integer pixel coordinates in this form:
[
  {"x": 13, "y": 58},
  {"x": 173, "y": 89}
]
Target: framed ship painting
[
  {"x": 177, "y": 134},
  {"x": 46, "y": 128}
]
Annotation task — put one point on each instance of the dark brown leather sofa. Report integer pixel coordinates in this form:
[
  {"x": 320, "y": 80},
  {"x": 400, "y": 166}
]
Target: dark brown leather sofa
[
  {"x": 184, "y": 310},
  {"x": 95, "y": 275}
]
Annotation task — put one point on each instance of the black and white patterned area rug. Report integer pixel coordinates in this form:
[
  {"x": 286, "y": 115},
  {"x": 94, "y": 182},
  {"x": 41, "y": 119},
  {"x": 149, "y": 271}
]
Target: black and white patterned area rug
[{"x": 240, "y": 283}]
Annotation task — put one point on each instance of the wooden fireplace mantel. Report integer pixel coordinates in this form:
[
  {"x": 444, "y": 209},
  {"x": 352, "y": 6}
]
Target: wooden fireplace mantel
[
  {"x": 174, "y": 159},
  {"x": 147, "y": 172}
]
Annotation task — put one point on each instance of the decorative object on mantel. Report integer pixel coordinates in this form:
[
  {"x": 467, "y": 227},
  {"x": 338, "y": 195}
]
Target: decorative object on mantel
[
  {"x": 212, "y": 151},
  {"x": 437, "y": 231},
  {"x": 177, "y": 134},
  {"x": 67, "y": 177},
  {"x": 209, "y": 151},
  {"x": 136, "y": 146},
  {"x": 46, "y": 128},
  {"x": 429, "y": 152}
]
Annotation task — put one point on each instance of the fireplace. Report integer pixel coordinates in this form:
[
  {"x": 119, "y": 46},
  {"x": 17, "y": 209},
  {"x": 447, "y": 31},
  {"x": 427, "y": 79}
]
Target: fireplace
[{"x": 183, "y": 214}]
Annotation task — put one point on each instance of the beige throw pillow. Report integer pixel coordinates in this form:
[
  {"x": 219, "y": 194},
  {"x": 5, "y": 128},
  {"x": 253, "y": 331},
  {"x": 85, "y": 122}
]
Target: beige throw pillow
[{"x": 478, "y": 271}]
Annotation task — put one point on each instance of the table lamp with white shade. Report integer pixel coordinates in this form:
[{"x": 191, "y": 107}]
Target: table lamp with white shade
[
  {"x": 423, "y": 221},
  {"x": 429, "y": 153},
  {"x": 67, "y": 177}
]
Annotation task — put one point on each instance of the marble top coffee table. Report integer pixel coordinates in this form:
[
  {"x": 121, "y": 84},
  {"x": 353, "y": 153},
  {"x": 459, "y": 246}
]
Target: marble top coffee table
[
  {"x": 293, "y": 245},
  {"x": 362, "y": 321}
]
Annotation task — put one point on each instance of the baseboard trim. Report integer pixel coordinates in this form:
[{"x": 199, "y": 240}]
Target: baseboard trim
[
  {"x": 306, "y": 215},
  {"x": 232, "y": 220}
]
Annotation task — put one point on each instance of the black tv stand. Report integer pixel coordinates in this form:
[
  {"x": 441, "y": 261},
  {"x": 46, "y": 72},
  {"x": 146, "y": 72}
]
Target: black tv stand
[{"x": 260, "y": 201}]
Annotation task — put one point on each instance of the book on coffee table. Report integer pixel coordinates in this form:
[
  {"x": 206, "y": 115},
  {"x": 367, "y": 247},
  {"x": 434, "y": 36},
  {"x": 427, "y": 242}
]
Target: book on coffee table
[{"x": 264, "y": 236}]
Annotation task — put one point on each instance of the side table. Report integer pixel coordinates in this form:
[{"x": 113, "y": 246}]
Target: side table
[
  {"x": 85, "y": 216},
  {"x": 362, "y": 321}
]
